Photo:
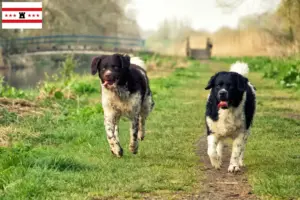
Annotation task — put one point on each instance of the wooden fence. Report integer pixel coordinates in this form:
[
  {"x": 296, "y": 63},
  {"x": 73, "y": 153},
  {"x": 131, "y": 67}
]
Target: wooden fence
[
  {"x": 71, "y": 42},
  {"x": 200, "y": 54}
]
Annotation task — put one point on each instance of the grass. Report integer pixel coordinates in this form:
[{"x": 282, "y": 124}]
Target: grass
[
  {"x": 64, "y": 153},
  {"x": 273, "y": 155},
  {"x": 66, "y": 156}
]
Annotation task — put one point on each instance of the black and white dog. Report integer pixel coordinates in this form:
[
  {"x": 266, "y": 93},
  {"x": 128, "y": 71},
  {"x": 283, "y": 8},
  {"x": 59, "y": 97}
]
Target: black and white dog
[
  {"x": 125, "y": 92},
  {"x": 229, "y": 113}
]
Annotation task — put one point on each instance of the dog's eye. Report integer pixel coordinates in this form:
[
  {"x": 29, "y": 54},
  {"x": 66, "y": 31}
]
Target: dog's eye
[{"x": 219, "y": 85}]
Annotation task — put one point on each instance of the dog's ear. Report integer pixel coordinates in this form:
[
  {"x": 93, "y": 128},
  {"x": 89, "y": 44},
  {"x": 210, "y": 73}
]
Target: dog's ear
[
  {"x": 95, "y": 64},
  {"x": 125, "y": 60},
  {"x": 210, "y": 83},
  {"x": 242, "y": 83}
]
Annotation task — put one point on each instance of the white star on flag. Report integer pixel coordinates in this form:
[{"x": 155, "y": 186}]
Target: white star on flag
[{"x": 22, "y": 15}]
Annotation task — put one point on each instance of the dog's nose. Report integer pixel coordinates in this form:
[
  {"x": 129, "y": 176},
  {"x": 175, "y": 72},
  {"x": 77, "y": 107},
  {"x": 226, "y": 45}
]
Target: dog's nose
[
  {"x": 223, "y": 94},
  {"x": 108, "y": 75}
]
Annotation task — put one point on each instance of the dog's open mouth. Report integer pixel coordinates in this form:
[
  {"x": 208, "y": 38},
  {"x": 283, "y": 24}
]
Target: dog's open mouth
[
  {"x": 223, "y": 104},
  {"x": 108, "y": 83}
]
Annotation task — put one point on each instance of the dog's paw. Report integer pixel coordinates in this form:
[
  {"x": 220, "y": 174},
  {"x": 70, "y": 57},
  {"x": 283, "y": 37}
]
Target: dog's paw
[
  {"x": 216, "y": 162},
  {"x": 133, "y": 148},
  {"x": 118, "y": 153},
  {"x": 141, "y": 136},
  {"x": 233, "y": 168}
]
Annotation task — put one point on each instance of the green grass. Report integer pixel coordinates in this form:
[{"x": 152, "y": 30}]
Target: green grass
[
  {"x": 64, "y": 154},
  {"x": 273, "y": 151}
]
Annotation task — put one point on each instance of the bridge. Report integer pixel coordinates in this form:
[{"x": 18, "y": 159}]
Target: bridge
[{"x": 84, "y": 44}]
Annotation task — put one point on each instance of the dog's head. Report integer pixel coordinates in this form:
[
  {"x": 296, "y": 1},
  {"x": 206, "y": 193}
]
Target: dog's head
[
  {"x": 112, "y": 69},
  {"x": 227, "y": 88}
]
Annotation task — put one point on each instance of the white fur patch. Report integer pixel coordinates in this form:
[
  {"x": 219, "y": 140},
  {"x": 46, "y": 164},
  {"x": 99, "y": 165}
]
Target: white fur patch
[
  {"x": 240, "y": 67},
  {"x": 138, "y": 61},
  {"x": 231, "y": 121},
  {"x": 121, "y": 102}
]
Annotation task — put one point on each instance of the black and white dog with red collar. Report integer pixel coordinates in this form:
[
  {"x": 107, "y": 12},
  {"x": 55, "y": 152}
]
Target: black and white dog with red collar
[
  {"x": 125, "y": 92},
  {"x": 230, "y": 110}
]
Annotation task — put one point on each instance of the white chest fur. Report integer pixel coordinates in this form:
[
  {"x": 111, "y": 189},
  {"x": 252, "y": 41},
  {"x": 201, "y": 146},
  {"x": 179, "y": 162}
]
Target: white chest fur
[
  {"x": 231, "y": 121},
  {"x": 121, "y": 103}
]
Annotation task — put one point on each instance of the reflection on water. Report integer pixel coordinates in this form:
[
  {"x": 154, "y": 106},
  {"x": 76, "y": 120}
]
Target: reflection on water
[{"x": 22, "y": 78}]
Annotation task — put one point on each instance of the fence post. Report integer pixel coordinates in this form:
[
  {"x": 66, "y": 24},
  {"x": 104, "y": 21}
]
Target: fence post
[
  {"x": 209, "y": 46},
  {"x": 188, "y": 50}
]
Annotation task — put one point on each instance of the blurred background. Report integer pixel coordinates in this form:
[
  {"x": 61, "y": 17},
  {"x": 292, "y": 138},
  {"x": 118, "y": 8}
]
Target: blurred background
[{"x": 235, "y": 27}]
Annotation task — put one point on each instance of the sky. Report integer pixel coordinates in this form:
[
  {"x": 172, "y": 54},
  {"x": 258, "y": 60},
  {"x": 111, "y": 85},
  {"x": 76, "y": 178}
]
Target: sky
[{"x": 202, "y": 14}]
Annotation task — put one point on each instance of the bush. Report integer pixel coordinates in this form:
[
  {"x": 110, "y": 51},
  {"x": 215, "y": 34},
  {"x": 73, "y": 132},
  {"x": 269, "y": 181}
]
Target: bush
[
  {"x": 8, "y": 91},
  {"x": 286, "y": 71}
]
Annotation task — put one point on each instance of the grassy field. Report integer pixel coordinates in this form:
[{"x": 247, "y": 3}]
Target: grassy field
[{"x": 63, "y": 154}]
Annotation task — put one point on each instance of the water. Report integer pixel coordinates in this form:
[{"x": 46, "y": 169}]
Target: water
[{"x": 28, "y": 77}]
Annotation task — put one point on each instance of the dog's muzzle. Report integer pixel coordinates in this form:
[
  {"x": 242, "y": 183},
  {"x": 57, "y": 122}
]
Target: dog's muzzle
[{"x": 223, "y": 95}]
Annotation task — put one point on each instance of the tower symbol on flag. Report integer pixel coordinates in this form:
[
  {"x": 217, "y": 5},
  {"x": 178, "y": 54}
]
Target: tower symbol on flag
[{"x": 22, "y": 15}]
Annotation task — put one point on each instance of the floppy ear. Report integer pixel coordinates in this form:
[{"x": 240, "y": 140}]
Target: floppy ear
[
  {"x": 210, "y": 83},
  {"x": 125, "y": 60},
  {"x": 95, "y": 64},
  {"x": 242, "y": 83}
]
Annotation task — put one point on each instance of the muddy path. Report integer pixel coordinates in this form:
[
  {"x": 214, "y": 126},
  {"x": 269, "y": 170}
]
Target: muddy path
[{"x": 219, "y": 184}]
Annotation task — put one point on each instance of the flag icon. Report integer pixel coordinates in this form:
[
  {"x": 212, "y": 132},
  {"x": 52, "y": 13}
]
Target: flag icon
[{"x": 22, "y": 15}]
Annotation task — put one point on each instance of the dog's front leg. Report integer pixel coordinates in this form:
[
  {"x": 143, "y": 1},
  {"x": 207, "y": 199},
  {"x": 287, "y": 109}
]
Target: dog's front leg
[
  {"x": 241, "y": 159},
  {"x": 215, "y": 159},
  {"x": 134, "y": 134},
  {"x": 111, "y": 125},
  {"x": 237, "y": 154}
]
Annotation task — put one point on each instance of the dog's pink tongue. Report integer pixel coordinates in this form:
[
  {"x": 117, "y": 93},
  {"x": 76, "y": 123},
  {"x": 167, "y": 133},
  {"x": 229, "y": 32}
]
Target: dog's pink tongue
[
  {"x": 107, "y": 83},
  {"x": 222, "y": 104}
]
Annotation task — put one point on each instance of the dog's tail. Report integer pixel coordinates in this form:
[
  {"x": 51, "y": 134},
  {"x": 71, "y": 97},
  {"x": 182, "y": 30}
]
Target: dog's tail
[
  {"x": 138, "y": 61},
  {"x": 240, "y": 67}
]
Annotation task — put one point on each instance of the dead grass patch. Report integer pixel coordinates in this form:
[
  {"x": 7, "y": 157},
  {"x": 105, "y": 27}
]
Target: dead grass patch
[
  {"x": 4, "y": 138},
  {"x": 7, "y": 133},
  {"x": 158, "y": 69},
  {"x": 20, "y": 106}
]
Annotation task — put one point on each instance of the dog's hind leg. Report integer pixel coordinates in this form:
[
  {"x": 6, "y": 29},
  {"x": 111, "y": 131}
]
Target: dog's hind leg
[
  {"x": 111, "y": 125},
  {"x": 147, "y": 108},
  {"x": 133, "y": 147},
  {"x": 142, "y": 121}
]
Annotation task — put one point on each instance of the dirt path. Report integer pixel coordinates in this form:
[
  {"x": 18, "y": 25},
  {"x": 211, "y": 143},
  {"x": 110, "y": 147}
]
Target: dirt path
[{"x": 219, "y": 184}]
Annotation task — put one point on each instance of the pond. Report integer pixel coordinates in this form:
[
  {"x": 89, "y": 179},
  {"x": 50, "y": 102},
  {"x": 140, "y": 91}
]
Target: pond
[{"x": 22, "y": 77}]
